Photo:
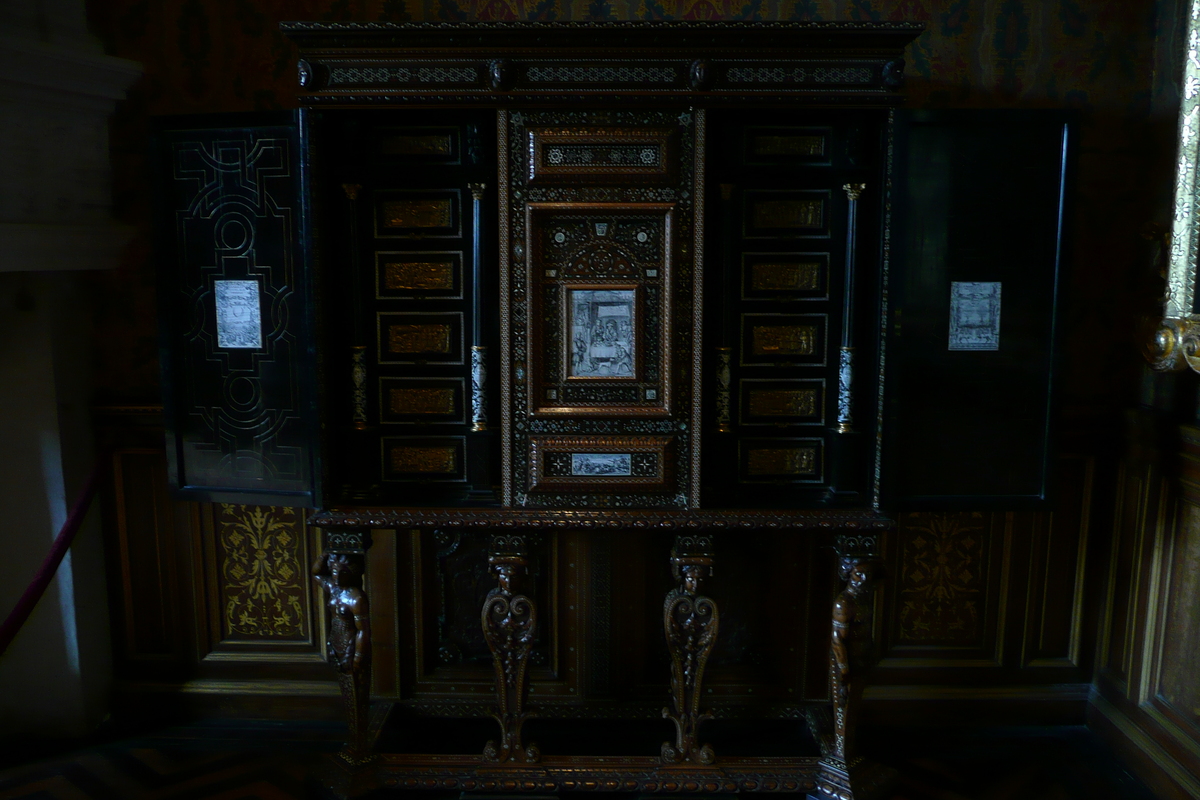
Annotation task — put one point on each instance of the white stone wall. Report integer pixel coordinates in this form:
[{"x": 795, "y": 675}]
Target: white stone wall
[{"x": 57, "y": 91}]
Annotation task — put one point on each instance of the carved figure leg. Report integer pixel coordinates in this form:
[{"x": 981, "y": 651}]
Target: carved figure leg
[
  {"x": 843, "y": 773},
  {"x": 509, "y": 626},
  {"x": 690, "y": 623},
  {"x": 339, "y": 570}
]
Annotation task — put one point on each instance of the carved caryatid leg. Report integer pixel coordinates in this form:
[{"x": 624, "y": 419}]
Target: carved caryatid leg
[
  {"x": 690, "y": 622},
  {"x": 510, "y": 626},
  {"x": 340, "y": 571},
  {"x": 843, "y": 773}
]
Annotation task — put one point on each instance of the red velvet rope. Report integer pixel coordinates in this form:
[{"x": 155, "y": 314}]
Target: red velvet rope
[{"x": 37, "y": 587}]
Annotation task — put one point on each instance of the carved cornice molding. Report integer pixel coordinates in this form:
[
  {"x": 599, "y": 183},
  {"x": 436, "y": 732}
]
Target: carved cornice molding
[{"x": 666, "y": 520}]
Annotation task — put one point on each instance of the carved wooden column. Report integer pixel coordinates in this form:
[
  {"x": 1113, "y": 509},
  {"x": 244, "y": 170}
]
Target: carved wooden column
[
  {"x": 690, "y": 621},
  {"x": 340, "y": 570},
  {"x": 844, "y": 774},
  {"x": 510, "y": 626}
]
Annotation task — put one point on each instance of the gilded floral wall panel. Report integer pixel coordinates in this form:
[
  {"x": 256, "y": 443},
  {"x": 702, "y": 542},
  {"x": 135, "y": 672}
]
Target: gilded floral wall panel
[{"x": 262, "y": 574}]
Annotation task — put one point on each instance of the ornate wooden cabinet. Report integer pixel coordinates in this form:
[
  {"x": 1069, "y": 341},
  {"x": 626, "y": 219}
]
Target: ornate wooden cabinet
[{"x": 575, "y": 307}]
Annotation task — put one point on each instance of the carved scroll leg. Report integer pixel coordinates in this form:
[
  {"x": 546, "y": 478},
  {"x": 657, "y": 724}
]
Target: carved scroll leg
[
  {"x": 690, "y": 622},
  {"x": 509, "y": 624},
  {"x": 843, "y": 773},
  {"x": 339, "y": 571}
]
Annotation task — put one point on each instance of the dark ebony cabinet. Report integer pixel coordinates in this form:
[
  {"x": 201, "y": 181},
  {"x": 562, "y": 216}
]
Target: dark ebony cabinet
[{"x": 526, "y": 292}]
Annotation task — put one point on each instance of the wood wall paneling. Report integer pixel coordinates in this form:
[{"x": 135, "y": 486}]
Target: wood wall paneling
[
  {"x": 145, "y": 521},
  {"x": 1146, "y": 702}
]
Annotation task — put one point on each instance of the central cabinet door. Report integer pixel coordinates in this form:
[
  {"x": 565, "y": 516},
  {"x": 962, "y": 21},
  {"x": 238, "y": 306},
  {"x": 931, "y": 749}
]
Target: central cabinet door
[{"x": 600, "y": 313}]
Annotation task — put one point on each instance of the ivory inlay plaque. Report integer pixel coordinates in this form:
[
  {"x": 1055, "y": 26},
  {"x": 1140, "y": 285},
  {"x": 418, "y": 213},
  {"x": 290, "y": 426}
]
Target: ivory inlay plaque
[
  {"x": 602, "y": 333},
  {"x": 239, "y": 318}
]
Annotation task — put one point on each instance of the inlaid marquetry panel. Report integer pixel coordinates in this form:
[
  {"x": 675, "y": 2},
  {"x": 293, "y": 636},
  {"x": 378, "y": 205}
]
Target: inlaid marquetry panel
[
  {"x": 420, "y": 338},
  {"x": 428, "y": 214},
  {"x": 600, "y": 301},
  {"x": 781, "y": 402},
  {"x": 422, "y": 401},
  {"x": 781, "y": 460},
  {"x": 943, "y": 559},
  {"x": 949, "y": 592},
  {"x": 783, "y": 339},
  {"x": 781, "y": 214},
  {"x": 418, "y": 275},
  {"x": 780, "y": 145},
  {"x": 418, "y": 145},
  {"x": 785, "y": 276},
  {"x": 263, "y": 582},
  {"x": 597, "y": 154}
]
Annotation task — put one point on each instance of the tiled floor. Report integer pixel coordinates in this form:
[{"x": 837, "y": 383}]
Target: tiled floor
[{"x": 269, "y": 761}]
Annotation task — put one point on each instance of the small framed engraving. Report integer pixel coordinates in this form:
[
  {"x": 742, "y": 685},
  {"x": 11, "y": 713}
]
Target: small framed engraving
[
  {"x": 974, "y": 315},
  {"x": 239, "y": 316},
  {"x": 603, "y": 333}
]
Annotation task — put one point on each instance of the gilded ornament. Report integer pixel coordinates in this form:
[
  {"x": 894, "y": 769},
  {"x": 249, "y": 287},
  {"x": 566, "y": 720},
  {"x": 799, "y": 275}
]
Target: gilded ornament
[{"x": 261, "y": 558}]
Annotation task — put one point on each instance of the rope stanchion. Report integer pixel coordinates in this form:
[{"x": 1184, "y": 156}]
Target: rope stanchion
[{"x": 37, "y": 587}]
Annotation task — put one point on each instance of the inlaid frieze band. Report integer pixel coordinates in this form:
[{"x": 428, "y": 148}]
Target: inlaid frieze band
[
  {"x": 588, "y": 463},
  {"x": 587, "y": 154}
]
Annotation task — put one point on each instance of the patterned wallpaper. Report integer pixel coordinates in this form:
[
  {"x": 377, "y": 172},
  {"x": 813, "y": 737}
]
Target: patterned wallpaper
[{"x": 204, "y": 56}]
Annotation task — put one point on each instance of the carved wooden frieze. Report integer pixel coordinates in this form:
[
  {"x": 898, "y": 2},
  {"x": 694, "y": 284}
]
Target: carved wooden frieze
[
  {"x": 600, "y": 307},
  {"x": 576, "y": 62}
]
